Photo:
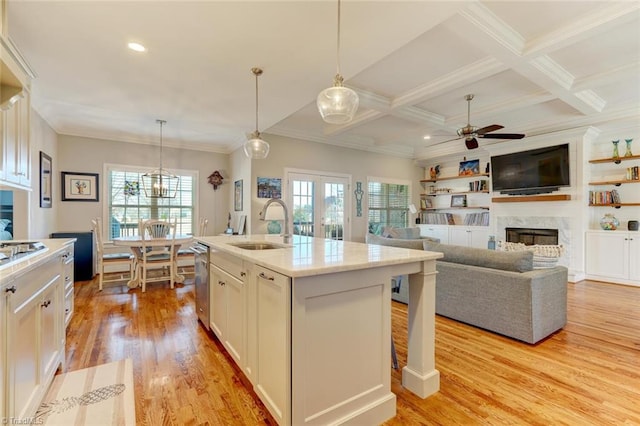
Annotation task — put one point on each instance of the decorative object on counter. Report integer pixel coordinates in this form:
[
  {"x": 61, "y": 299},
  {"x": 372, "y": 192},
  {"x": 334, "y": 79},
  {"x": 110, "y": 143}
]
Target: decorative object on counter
[
  {"x": 237, "y": 195},
  {"x": 160, "y": 183},
  {"x": 274, "y": 215},
  {"x": 80, "y": 186},
  {"x": 256, "y": 148},
  {"x": 609, "y": 222},
  {"x": 632, "y": 225},
  {"x": 615, "y": 154},
  {"x": 469, "y": 168},
  {"x": 358, "y": 193},
  {"x": 215, "y": 179},
  {"x": 337, "y": 104},
  {"x": 628, "y": 152},
  {"x": 458, "y": 201},
  {"x": 45, "y": 181},
  {"x": 269, "y": 187}
]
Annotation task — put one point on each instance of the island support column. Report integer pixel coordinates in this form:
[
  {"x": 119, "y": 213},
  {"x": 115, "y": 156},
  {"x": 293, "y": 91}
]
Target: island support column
[{"x": 420, "y": 375}]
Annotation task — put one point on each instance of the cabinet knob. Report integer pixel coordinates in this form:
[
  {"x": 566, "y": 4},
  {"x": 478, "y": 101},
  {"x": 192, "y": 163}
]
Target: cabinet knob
[
  {"x": 262, "y": 275},
  {"x": 11, "y": 289},
  {"x": 46, "y": 303},
  {"x": 220, "y": 282},
  {"x": 243, "y": 274}
]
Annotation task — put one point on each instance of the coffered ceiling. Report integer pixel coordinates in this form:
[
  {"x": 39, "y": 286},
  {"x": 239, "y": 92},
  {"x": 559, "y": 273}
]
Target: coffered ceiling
[{"x": 534, "y": 67}]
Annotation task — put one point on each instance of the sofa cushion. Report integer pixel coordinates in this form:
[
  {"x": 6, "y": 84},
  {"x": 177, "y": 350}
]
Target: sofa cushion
[
  {"x": 515, "y": 261},
  {"x": 405, "y": 233},
  {"x": 415, "y": 244},
  {"x": 544, "y": 256}
]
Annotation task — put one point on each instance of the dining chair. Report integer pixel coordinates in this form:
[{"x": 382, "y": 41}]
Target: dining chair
[
  {"x": 158, "y": 251},
  {"x": 185, "y": 254},
  {"x": 109, "y": 259}
]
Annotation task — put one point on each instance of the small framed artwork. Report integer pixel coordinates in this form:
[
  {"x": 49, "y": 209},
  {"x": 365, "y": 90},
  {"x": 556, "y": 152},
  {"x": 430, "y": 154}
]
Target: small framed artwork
[
  {"x": 80, "y": 186},
  {"x": 45, "y": 181},
  {"x": 458, "y": 201},
  {"x": 469, "y": 168},
  {"x": 269, "y": 187},
  {"x": 237, "y": 196}
]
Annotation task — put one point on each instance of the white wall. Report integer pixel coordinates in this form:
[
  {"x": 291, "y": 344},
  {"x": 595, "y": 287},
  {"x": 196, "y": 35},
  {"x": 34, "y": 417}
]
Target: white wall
[
  {"x": 298, "y": 154},
  {"x": 86, "y": 155}
]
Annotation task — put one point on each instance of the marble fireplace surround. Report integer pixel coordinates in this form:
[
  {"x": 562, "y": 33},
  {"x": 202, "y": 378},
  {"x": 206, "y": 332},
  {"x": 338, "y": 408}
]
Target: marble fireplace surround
[{"x": 562, "y": 224}]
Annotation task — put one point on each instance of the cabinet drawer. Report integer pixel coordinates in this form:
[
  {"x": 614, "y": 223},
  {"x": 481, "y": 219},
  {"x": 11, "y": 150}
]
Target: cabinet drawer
[
  {"x": 230, "y": 264},
  {"x": 33, "y": 281}
]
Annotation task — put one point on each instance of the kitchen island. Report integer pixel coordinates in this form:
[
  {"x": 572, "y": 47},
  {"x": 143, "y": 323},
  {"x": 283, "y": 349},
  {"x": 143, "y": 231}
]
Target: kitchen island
[{"x": 309, "y": 324}]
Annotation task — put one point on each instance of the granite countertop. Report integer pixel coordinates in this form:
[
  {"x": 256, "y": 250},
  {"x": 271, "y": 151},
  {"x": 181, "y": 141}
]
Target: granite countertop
[
  {"x": 307, "y": 256},
  {"x": 54, "y": 246}
]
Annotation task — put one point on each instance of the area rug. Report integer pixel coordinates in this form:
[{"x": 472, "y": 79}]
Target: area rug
[{"x": 101, "y": 395}]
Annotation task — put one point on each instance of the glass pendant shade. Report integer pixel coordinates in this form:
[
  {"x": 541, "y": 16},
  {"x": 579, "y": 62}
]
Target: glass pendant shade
[
  {"x": 256, "y": 148},
  {"x": 337, "y": 104}
]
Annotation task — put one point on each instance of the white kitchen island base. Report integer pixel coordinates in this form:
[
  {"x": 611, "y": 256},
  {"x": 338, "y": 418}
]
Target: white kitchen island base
[{"x": 318, "y": 321}]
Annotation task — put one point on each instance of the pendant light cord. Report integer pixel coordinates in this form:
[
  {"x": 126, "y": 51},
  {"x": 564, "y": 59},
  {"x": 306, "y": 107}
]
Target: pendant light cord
[
  {"x": 161, "y": 123},
  {"x": 338, "y": 42},
  {"x": 256, "y": 74}
]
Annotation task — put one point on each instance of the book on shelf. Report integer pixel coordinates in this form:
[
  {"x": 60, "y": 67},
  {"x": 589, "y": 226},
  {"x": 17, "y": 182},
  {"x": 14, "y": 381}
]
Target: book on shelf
[
  {"x": 478, "y": 185},
  {"x": 632, "y": 173},
  {"x": 437, "y": 219},
  {"x": 601, "y": 198},
  {"x": 477, "y": 219}
]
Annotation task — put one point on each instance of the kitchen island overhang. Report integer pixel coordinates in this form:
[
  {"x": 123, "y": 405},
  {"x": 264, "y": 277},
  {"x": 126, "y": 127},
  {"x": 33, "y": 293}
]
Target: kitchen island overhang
[{"x": 339, "y": 326}]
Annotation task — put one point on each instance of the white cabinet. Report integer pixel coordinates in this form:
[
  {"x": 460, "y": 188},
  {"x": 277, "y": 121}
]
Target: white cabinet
[
  {"x": 68, "y": 279},
  {"x": 469, "y": 236},
  {"x": 34, "y": 338},
  {"x": 273, "y": 320},
  {"x": 440, "y": 232},
  {"x": 227, "y": 304},
  {"x": 613, "y": 256},
  {"x": 16, "y": 157}
]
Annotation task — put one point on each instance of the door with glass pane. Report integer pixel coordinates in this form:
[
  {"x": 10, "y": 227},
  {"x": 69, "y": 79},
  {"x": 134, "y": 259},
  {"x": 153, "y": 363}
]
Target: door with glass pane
[{"x": 320, "y": 205}]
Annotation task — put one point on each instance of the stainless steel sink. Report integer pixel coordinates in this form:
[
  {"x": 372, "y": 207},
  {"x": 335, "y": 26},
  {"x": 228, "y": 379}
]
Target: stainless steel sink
[{"x": 258, "y": 245}]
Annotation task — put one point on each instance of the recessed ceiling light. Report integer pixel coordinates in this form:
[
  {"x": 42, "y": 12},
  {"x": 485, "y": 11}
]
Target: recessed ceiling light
[
  {"x": 137, "y": 47},
  {"x": 426, "y": 137}
]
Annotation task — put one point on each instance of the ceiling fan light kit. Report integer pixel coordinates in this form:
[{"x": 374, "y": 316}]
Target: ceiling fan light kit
[
  {"x": 160, "y": 183},
  {"x": 338, "y": 104},
  {"x": 256, "y": 148}
]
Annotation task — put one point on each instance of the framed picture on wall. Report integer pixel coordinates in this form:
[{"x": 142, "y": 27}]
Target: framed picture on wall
[
  {"x": 80, "y": 186},
  {"x": 45, "y": 181},
  {"x": 458, "y": 201},
  {"x": 237, "y": 196},
  {"x": 269, "y": 187}
]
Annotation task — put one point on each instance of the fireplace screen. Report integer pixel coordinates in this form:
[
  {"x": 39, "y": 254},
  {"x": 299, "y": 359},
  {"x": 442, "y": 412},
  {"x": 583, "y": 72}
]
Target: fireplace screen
[{"x": 531, "y": 236}]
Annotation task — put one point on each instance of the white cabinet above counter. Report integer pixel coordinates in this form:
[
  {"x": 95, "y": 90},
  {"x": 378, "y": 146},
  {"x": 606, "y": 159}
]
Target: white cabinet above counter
[{"x": 317, "y": 328}]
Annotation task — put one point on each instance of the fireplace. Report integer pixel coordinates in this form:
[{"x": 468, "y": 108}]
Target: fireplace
[{"x": 531, "y": 236}]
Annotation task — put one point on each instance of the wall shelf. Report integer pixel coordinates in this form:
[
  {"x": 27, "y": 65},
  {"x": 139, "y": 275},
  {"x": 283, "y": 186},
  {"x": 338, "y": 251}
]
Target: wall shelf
[
  {"x": 614, "y": 182},
  {"x": 454, "y": 193},
  {"x": 455, "y": 177},
  {"x": 532, "y": 198},
  {"x": 615, "y": 205},
  {"x": 615, "y": 160}
]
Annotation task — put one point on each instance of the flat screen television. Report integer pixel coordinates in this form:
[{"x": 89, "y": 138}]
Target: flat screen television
[{"x": 536, "y": 171}]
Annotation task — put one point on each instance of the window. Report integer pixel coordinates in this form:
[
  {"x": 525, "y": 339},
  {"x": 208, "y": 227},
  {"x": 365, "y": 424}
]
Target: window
[
  {"x": 127, "y": 204},
  {"x": 388, "y": 205}
]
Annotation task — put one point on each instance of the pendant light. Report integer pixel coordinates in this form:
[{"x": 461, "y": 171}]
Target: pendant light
[
  {"x": 338, "y": 104},
  {"x": 160, "y": 183},
  {"x": 256, "y": 148}
]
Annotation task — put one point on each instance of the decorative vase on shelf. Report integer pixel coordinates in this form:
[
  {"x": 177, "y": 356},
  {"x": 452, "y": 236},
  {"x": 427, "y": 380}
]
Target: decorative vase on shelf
[
  {"x": 609, "y": 222},
  {"x": 628, "y": 152},
  {"x": 616, "y": 154}
]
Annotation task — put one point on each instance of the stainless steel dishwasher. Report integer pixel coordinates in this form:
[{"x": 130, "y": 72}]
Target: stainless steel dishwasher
[{"x": 202, "y": 256}]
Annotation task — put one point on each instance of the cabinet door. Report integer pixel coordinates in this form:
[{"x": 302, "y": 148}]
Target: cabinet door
[
  {"x": 217, "y": 303},
  {"x": 607, "y": 254},
  {"x": 440, "y": 232},
  {"x": 68, "y": 289},
  {"x": 23, "y": 148},
  {"x": 234, "y": 332},
  {"x": 273, "y": 383},
  {"x": 459, "y": 236},
  {"x": 634, "y": 256},
  {"x": 479, "y": 237},
  {"x": 10, "y": 142},
  {"x": 22, "y": 349},
  {"x": 50, "y": 308}
]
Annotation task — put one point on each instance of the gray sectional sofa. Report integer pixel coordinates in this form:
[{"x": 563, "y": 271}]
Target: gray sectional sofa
[{"x": 497, "y": 291}]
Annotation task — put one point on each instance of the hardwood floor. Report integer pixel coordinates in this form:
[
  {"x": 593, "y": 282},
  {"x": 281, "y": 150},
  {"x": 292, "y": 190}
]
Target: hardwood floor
[{"x": 586, "y": 374}]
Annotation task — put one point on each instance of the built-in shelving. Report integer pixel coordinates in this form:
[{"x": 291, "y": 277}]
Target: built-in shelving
[
  {"x": 532, "y": 198},
  {"x": 455, "y": 177},
  {"x": 613, "y": 182},
  {"x": 616, "y": 160}
]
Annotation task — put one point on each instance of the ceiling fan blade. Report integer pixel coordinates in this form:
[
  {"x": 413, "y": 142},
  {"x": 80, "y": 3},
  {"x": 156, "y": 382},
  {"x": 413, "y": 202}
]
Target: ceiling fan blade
[
  {"x": 448, "y": 140},
  {"x": 503, "y": 136},
  {"x": 471, "y": 143},
  {"x": 488, "y": 129}
]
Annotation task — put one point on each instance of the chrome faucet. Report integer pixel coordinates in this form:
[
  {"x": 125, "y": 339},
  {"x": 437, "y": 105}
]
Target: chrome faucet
[{"x": 286, "y": 237}]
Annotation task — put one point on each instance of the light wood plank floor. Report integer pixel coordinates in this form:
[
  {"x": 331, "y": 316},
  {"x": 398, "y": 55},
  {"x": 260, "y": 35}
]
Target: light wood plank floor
[{"x": 586, "y": 374}]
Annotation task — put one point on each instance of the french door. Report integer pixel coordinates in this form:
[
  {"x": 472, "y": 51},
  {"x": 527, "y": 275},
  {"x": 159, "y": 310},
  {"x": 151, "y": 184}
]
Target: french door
[{"x": 320, "y": 204}]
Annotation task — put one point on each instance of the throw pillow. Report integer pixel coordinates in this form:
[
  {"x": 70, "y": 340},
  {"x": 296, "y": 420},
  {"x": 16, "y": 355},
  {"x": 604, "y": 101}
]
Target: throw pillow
[
  {"x": 394, "y": 242},
  {"x": 405, "y": 233},
  {"x": 544, "y": 256},
  {"x": 515, "y": 261}
]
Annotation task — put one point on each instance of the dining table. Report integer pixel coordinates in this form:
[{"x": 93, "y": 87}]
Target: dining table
[{"x": 134, "y": 243}]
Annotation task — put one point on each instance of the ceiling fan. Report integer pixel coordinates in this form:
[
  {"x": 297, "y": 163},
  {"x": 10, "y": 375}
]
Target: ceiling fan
[{"x": 471, "y": 133}]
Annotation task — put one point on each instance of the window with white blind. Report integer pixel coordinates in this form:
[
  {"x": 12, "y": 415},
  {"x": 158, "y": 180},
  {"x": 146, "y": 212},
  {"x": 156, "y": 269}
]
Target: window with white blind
[
  {"x": 388, "y": 205},
  {"x": 127, "y": 204}
]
